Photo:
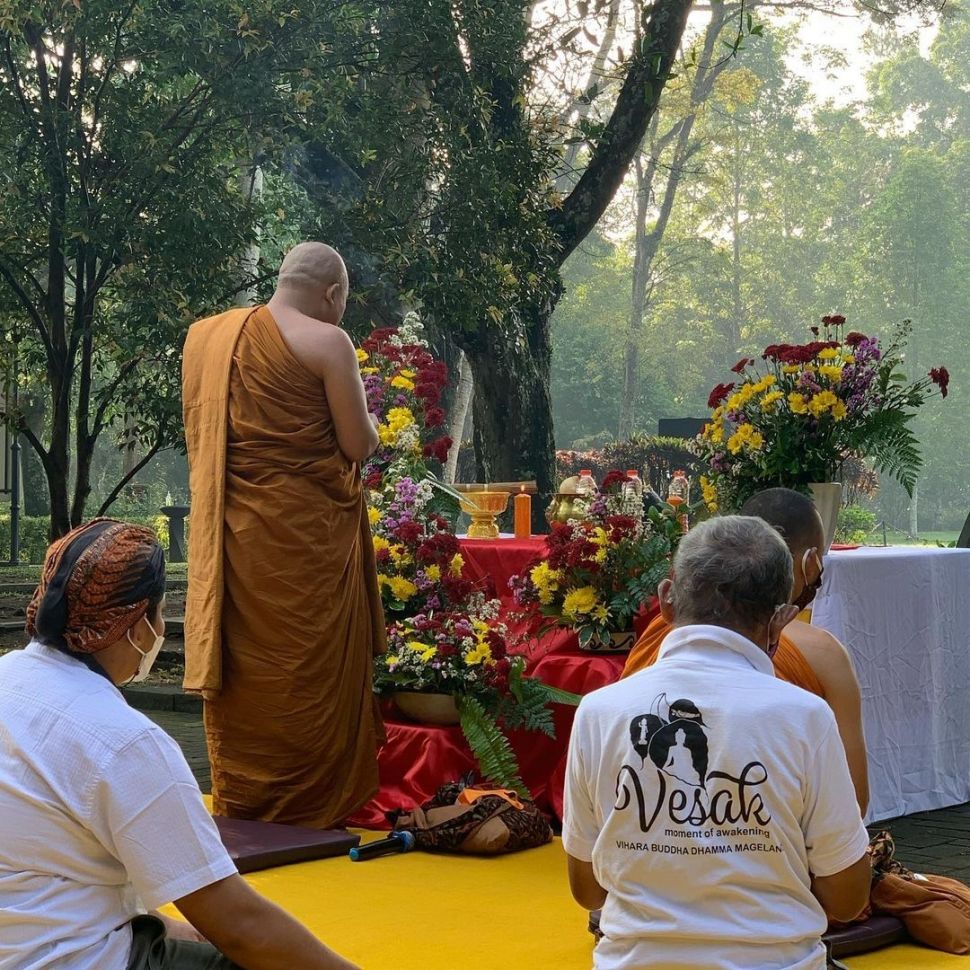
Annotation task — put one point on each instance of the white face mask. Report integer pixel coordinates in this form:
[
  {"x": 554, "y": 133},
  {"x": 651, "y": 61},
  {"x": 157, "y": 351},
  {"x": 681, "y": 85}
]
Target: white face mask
[{"x": 147, "y": 659}]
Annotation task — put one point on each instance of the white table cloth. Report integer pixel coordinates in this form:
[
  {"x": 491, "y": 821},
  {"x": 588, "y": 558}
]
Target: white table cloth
[{"x": 904, "y": 614}]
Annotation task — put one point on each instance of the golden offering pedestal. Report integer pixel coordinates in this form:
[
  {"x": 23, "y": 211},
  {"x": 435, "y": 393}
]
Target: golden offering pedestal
[{"x": 484, "y": 507}]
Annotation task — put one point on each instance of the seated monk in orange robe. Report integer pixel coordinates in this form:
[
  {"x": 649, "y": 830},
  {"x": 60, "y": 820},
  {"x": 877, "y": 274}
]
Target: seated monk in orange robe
[
  {"x": 808, "y": 657},
  {"x": 283, "y": 615}
]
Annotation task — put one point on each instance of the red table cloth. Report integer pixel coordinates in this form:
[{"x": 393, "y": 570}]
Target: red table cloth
[{"x": 496, "y": 561}]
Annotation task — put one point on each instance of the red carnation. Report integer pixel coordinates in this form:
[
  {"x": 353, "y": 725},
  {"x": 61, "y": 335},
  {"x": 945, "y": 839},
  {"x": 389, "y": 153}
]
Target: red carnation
[
  {"x": 429, "y": 393},
  {"x": 940, "y": 376},
  {"x": 438, "y": 449},
  {"x": 378, "y": 338},
  {"x": 614, "y": 480},
  {"x": 837, "y": 320},
  {"x": 854, "y": 339},
  {"x": 719, "y": 395},
  {"x": 409, "y": 532},
  {"x": 741, "y": 364},
  {"x": 434, "y": 417},
  {"x": 621, "y": 527}
]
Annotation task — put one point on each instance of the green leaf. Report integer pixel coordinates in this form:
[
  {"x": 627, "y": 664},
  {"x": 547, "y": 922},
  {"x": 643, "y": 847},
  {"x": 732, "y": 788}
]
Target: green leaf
[{"x": 491, "y": 747}]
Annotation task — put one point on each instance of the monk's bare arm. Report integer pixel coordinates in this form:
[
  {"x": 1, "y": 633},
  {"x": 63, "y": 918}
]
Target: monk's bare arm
[
  {"x": 833, "y": 666},
  {"x": 355, "y": 429},
  {"x": 329, "y": 354}
]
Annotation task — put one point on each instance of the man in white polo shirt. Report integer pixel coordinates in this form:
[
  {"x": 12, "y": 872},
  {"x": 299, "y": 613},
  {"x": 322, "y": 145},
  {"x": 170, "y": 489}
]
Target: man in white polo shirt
[{"x": 709, "y": 808}]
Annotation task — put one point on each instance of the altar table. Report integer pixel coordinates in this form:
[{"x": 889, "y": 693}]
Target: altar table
[{"x": 903, "y": 612}]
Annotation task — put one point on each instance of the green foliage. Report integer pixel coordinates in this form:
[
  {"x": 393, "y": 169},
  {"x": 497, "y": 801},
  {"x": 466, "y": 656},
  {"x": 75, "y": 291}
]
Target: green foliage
[
  {"x": 121, "y": 217},
  {"x": 489, "y": 745},
  {"x": 855, "y": 524},
  {"x": 35, "y": 532}
]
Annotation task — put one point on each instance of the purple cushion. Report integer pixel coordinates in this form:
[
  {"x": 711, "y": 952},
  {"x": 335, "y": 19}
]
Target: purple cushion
[
  {"x": 875, "y": 933},
  {"x": 264, "y": 845}
]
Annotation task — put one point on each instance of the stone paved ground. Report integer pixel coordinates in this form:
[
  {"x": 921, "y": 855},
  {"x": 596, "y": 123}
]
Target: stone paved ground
[{"x": 928, "y": 842}]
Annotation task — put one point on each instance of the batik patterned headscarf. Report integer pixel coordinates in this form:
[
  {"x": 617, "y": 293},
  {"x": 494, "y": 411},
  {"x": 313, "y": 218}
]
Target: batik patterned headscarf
[{"x": 97, "y": 584}]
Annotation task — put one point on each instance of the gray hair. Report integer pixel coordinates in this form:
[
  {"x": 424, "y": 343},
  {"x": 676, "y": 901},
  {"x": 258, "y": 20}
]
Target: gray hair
[{"x": 731, "y": 571}]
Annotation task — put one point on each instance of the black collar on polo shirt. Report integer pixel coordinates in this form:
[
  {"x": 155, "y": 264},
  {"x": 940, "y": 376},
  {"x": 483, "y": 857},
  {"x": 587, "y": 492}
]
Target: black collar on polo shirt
[{"x": 714, "y": 645}]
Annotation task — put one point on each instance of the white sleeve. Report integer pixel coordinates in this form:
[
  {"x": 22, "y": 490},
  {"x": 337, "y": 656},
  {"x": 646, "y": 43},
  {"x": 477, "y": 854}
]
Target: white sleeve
[
  {"x": 835, "y": 837},
  {"x": 580, "y": 827},
  {"x": 148, "y": 812}
]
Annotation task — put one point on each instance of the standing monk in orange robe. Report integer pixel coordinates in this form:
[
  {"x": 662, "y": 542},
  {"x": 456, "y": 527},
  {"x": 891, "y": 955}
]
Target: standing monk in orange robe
[
  {"x": 283, "y": 615},
  {"x": 807, "y": 656}
]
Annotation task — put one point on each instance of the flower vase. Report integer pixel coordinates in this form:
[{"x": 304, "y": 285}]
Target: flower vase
[
  {"x": 618, "y": 642},
  {"x": 439, "y": 709},
  {"x": 828, "y": 500}
]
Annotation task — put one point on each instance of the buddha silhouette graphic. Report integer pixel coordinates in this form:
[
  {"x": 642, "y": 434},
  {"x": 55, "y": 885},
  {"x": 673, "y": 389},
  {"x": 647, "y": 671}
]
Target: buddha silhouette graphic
[{"x": 674, "y": 738}]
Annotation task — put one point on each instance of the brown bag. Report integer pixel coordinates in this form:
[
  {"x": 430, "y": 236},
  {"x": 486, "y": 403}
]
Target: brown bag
[
  {"x": 490, "y": 823},
  {"x": 934, "y": 909}
]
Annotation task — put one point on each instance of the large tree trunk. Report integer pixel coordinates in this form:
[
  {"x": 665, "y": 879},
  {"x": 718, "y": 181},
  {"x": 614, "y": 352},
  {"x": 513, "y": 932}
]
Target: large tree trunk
[{"x": 512, "y": 408}]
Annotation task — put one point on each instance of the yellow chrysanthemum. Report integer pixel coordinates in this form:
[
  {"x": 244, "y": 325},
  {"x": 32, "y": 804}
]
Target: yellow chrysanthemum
[
  {"x": 367, "y": 371},
  {"x": 362, "y": 356},
  {"x": 399, "y": 554},
  {"x": 769, "y": 401},
  {"x": 380, "y": 544},
  {"x": 848, "y": 358},
  {"x": 798, "y": 403},
  {"x": 456, "y": 565},
  {"x": 580, "y": 602},
  {"x": 709, "y": 493},
  {"x": 829, "y": 353},
  {"x": 479, "y": 654},
  {"x": 601, "y": 614},
  {"x": 714, "y": 432},
  {"x": 832, "y": 372},
  {"x": 409, "y": 374},
  {"x": 790, "y": 369},
  {"x": 401, "y": 588},
  {"x": 402, "y": 383},
  {"x": 839, "y": 411},
  {"x": 822, "y": 402},
  {"x": 745, "y": 438},
  {"x": 546, "y": 582},
  {"x": 391, "y": 659},
  {"x": 433, "y": 573},
  {"x": 373, "y": 515}
]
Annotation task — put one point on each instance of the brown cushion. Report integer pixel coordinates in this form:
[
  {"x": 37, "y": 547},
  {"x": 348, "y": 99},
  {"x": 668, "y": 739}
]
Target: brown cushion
[
  {"x": 875, "y": 933},
  {"x": 263, "y": 845}
]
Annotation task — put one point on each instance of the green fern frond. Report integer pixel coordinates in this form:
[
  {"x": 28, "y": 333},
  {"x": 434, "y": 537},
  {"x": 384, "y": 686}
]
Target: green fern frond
[{"x": 491, "y": 748}]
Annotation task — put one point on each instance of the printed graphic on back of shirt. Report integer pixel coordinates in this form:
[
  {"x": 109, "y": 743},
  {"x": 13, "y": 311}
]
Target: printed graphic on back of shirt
[{"x": 687, "y": 805}]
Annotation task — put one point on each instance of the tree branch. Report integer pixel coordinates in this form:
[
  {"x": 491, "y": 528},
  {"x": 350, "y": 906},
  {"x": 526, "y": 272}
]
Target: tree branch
[
  {"x": 28, "y": 305},
  {"x": 119, "y": 488},
  {"x": 635, "y": 106}
]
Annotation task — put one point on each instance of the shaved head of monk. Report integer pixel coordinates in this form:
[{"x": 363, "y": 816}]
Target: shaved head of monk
[
  {"x": 794, "y": 515},
  {"x": 313, "y": 280}
]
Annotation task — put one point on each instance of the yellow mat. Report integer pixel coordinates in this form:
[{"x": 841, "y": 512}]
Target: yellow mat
[{"x": 425, "y": 912}]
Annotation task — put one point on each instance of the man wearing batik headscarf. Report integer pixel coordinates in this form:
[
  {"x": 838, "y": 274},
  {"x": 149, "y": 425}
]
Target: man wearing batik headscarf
[{"x": 102, "y": 818}]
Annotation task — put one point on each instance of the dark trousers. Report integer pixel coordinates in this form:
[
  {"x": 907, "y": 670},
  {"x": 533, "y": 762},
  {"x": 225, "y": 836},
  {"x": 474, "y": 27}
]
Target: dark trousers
[{"x": 151, "y": 949}]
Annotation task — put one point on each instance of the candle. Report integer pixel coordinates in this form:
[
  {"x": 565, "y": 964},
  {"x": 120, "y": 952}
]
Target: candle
[{"x": 523, "y": 514}]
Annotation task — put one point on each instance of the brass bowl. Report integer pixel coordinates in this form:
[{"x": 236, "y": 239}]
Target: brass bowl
[{"x": 483, "y": 507}]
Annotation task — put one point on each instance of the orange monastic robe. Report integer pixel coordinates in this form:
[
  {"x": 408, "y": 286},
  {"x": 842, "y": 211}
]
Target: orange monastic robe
[
  {"x": 790, "y": 663},
  {"x": 283, "y": 614}
]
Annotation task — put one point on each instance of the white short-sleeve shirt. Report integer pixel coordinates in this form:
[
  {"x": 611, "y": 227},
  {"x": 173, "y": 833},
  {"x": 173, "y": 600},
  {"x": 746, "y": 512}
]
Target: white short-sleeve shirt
[
  {"x": 101, "y": 818},
  {"x": 706, "y": 792}
]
